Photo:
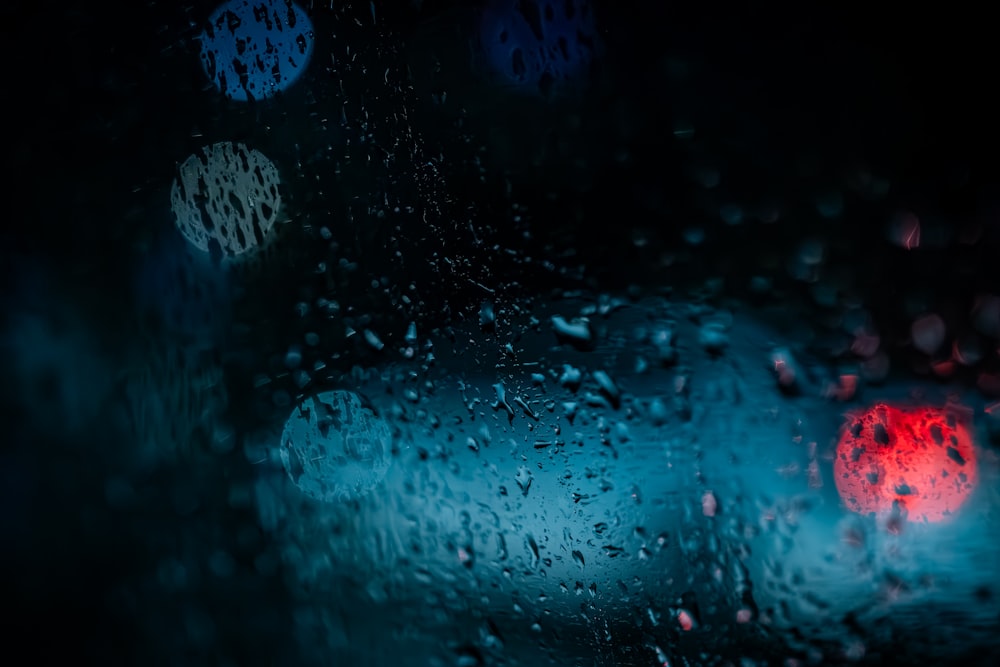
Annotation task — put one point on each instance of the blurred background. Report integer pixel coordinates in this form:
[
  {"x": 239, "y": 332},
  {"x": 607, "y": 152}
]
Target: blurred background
[{"x": 500, "y": 332}]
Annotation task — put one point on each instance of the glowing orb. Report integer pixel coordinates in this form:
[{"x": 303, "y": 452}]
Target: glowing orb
[
  {"x": 918, "y": 462},
  {"x": 334, "y": 448},
  {"x": 535, "y": 42},
  {"x": 226, "y": 196},
  {"x": 253, "y": 49}
]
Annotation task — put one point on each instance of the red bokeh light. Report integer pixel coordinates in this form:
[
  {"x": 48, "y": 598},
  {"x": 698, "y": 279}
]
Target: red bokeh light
[{"x": 919, "y": 462}]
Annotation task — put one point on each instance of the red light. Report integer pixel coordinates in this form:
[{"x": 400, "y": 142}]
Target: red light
[{"x": 918, "y": 461}]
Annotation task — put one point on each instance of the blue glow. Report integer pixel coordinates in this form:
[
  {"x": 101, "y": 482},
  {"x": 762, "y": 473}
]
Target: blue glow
[
  {"x": 537, "y": 43},
  {"x": 253, "y": 50}
]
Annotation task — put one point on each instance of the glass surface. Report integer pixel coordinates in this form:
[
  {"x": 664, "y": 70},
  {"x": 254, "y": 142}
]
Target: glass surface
[{"x": 481, "y": 332}]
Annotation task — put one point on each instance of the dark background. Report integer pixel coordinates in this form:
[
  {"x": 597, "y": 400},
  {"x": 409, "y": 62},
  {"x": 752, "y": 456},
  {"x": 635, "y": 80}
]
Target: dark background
[{"x": 787, "y": 104}]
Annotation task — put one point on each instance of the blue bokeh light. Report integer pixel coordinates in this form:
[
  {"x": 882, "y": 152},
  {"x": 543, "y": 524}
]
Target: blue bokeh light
[
  {"x": 539, "y": 43},
  {"x": 253, "y": 50}
]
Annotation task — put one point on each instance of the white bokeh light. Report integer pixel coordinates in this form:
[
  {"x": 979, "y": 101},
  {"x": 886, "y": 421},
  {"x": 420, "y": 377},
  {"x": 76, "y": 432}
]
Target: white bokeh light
[{"x": 226, "y": 194}]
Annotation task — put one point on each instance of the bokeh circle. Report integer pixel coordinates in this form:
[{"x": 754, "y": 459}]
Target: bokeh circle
[
  {"x": 254, "y": 49},
  {"x": 919, "y": 463},
  {"x": 334, "y": 448},
  {"x": 226, "y": 195}
]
